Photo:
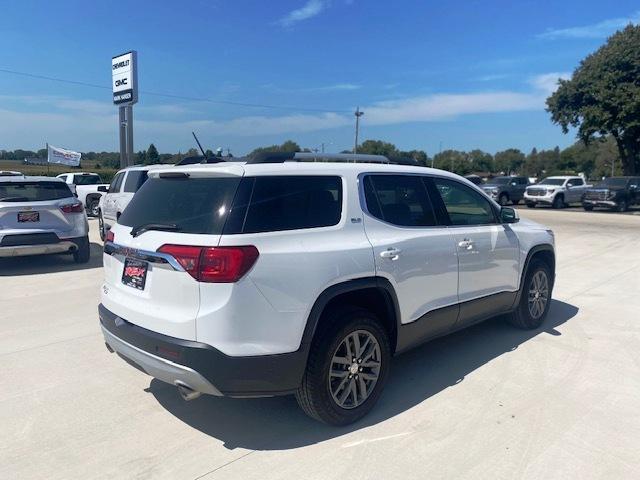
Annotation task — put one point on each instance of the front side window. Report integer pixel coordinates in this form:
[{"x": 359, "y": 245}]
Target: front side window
[
  {"x": 401, "y": 200},
  {"x": 277, "y": 203},
  {"x": 116, "y": 182},
  {"x": 464, "y": 206},
  {"x": 575, "y": 182}
]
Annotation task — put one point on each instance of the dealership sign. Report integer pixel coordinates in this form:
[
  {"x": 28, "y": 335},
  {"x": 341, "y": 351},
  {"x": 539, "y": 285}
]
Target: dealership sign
[{"x": 124, "y": 78}]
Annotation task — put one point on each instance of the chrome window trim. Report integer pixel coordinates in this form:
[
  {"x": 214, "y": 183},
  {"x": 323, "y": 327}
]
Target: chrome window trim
[{"x": 160, "y": 258}]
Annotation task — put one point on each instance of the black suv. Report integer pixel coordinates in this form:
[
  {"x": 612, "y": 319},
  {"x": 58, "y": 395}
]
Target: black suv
[{"x": 616, "y": 193}]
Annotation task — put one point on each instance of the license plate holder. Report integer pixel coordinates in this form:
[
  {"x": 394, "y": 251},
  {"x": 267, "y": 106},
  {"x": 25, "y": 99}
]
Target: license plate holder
[
  {"x": 134, "y": 274},
  {"x": 28, "y": 217}
]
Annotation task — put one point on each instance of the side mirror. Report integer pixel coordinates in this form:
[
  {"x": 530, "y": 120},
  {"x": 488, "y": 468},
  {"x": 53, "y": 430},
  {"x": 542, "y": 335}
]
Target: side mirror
[
  {"x": 103, "y": 189},
  {"x": 508, "y": 215}
]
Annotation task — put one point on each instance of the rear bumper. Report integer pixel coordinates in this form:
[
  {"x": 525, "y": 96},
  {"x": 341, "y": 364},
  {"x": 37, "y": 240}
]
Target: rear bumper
[
  {"x": 200, "y": 366},
  {"x": 64, "y": 246}
]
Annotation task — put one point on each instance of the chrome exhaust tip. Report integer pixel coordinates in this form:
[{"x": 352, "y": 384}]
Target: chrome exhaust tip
[{"x": 187, "y": 393}]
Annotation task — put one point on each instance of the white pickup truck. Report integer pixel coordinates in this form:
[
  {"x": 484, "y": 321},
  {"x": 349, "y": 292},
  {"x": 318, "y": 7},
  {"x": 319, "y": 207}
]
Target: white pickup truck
[{"x": 85, "y": 185}]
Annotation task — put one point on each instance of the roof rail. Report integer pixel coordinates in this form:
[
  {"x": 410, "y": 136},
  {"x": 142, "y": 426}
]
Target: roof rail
[
  {"x": 281, "y": 157},
  {"x": 200, "y": 159}
]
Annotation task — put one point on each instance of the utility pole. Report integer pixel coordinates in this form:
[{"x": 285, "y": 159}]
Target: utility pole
[
  {"x": 358, "y": 114},
  {"x": 322, "y": 146}
]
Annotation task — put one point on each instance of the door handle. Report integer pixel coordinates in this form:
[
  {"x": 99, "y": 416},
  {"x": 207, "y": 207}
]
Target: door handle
[
  {"x": 391, "y": 253},
  {"x": 466, "y": 244}
]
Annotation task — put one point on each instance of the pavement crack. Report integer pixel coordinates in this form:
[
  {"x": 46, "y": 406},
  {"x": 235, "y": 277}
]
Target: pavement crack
[{"x": 224, "y": 465}]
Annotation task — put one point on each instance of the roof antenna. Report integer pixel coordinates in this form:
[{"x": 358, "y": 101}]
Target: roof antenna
[{"x": 198, "y": 142}]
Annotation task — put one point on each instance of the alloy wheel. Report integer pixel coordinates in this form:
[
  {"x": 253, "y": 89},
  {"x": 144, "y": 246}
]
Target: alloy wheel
[
  {"x": 538, "y": 294},
  {"x": 355, "y": 369}
]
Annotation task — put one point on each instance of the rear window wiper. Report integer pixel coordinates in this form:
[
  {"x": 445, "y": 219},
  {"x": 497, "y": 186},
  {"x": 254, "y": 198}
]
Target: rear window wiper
[
  {"x": 14, "y": 199},
  {"x": 163, "y": 227}
]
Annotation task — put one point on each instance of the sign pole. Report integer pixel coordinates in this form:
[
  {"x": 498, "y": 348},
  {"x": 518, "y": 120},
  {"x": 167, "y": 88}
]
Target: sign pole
[
  {"x": 122, "y": 128},
  {"x": 129, "y": 128}
]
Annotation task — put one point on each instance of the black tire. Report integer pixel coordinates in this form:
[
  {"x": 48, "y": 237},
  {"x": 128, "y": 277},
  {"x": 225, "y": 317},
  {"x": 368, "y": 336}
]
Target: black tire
[
  {"x": 102, "y": 231},
  {"x": 558, "y": 202},
  {"x": 588, "y": 208},
  {"x": 503, "y": 199},
  {"x": 93, "y": 207},
  {"x": 516, "y": 202},
  {"x": 82, "y": 254},
  {"x": 622, "y": 206},
  {"x": 522, "y": 317},
  {"x": 531, "y": 205},
  {"x": 314, "y": 395}
]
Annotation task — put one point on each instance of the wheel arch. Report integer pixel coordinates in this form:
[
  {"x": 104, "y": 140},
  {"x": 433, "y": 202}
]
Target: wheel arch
[
  {"x": 544, "y": 252},
  {"x": 372, "y": 293}
]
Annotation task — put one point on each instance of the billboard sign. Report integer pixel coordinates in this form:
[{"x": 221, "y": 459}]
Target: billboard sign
[{"x": 124, "y": 78}]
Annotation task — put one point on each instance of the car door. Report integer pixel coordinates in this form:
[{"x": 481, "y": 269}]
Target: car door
[
  {"x": 109, "y": 206},
  {"x": 575, "y": 190},
  {"x": 520, "y": 187},
  {"x": 634, "y": 191},
  {"x": 487, "y": 251},
  {"x": 411, "y": 250}
]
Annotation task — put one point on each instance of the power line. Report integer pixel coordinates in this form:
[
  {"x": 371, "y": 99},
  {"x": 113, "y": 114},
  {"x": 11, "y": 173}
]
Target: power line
[{"x": 177, "y": 97}]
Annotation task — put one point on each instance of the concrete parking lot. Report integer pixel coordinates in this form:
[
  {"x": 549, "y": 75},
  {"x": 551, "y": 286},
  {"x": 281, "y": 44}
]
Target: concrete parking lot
[{"x": 488, "y": 402}]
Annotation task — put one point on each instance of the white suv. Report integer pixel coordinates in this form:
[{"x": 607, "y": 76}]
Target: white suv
[
  {"x": 282, "y": 276},
  {"x": 119, "y": 193}
]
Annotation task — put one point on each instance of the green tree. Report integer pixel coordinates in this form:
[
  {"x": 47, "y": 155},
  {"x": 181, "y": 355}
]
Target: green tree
[
  {"x": 378, "y": 147},
  {"x": 287, "y": 146},
  {"x": 454, "y": 161},
  {"x": 603, "y": 97},
  {"x": 152, "y": 157},
  {"x": 480, "y": 161},
  {"x": 508, "y": 161}
]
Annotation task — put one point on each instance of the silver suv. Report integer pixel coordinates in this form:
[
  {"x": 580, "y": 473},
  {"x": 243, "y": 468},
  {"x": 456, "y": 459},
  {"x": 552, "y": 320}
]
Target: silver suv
[
  {"x": 297, "y": 274},
  {"x": 40, "y": 215}
]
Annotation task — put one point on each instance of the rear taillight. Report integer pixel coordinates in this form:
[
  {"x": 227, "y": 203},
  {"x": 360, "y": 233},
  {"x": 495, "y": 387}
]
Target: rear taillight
[
  {"x": 109, "y": 237},
  {"x": 214, "y": 264},
  {"x": 73, "y": 208}
]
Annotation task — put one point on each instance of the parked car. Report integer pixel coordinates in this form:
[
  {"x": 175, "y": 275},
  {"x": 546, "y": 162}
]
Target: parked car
[
  {"x": 506, "y": 189},
  {"x": 10, "y": 173},
  {"x": 616, "y": 193},
  {"x": 40, "y": 215},
  {"x": 86, "y": 186},
  {"x": 117, "y": 196},
  {"x": 475, "y": 179},
  {"x": 559, "y": 191},
  {"x": 282, "y": 276}
]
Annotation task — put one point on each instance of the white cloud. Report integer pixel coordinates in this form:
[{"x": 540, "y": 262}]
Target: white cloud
[
  {"x": 548, "y": 82},
  {"x": 597, "y": 30},
  {"x": 307, "y": 11}
]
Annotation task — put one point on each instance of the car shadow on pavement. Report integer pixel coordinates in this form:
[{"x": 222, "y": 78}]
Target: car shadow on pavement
[
  {"x": 36, "y": 264},
  {"x": 278, "y": 424}
]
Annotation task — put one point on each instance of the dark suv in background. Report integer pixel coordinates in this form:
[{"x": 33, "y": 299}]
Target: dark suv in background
[
  {"x": 616, "y": 193},
  {"x": 506, "y": 189}
]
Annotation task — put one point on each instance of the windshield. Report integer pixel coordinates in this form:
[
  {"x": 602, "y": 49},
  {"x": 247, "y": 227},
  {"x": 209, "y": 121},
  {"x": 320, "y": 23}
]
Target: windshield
[
  {"x": 87, "y": 179},
  {"x": 499, "y": 181},
  {"x": 552, "y": 181},
  {"x": 189, "y": 205},
  {"x": 614, "y": 182},
  {"x": 33, "y": 191}
]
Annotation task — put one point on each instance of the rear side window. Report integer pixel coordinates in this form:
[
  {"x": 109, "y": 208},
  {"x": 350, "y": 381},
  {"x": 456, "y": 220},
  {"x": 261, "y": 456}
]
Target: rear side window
[
  {"x": 399, "y": 199},
  {"x": 134, "y": 181},
  {"x": 277, "y": 203},
  {"x": 193, "y": 205},
  {"x": 33, "y": 191}
]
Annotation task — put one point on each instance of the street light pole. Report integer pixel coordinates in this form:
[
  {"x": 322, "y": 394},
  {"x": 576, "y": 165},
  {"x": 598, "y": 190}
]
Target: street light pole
[{"x": 358, "y": 114}]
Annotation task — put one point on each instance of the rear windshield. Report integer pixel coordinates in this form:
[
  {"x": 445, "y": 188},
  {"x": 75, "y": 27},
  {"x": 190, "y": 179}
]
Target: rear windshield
[
  {"x": 87, "y": 179},
  {"x": 193, "y": 205},
  {"x": 33, "y": 191}
]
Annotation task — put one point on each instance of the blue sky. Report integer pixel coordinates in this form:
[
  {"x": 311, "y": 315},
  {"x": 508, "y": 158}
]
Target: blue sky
[{"x": 461, "y": 74}]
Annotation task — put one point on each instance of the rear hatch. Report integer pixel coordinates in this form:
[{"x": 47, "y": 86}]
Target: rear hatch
[
  {"x": 144, "y": 284},
  {"x": 28, "y": 207}
]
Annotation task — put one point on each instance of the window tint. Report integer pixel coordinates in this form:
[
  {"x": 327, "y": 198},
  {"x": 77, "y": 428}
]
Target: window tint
[
  {"x": 194, "y": 205},
  {"x": 575, "y": 182},
  {"x": 523, "y": 181},
  {"x": 464, "y": 205},
  {"x": 287, "y": 203},
  {"x": 399, "y": 199},
  {"x": 33, "y": 191},
  {"x": 134, "y": 181},
  {"x": 116, "y": 182},
  {"x": 86, "y": 179}
]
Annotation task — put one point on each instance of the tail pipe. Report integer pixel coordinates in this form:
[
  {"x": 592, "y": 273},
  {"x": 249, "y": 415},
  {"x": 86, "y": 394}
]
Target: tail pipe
[{"x": 186, "y": 392}]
